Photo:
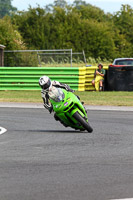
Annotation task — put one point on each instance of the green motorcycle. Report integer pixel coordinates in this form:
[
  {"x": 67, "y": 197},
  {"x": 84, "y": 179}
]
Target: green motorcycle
[{"x": 69, "y": 110}]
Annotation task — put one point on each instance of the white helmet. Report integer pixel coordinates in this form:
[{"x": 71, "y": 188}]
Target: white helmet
[{"x": 45, "y": 82}]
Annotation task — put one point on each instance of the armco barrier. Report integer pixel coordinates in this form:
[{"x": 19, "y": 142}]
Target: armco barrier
[{"x": 26, "y": 78}]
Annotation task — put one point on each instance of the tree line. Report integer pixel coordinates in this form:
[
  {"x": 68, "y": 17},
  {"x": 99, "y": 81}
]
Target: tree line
[{"x": 79, "y": 26}]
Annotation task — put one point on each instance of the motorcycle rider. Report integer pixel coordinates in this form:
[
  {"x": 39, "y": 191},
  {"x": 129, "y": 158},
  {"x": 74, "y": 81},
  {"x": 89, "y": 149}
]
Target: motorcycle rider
[{"x": 46, "y": 85}]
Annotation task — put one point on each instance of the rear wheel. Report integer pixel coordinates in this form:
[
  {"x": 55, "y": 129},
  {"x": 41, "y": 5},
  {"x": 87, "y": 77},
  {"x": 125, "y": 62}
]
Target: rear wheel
[{"x": 83, "y": 122}]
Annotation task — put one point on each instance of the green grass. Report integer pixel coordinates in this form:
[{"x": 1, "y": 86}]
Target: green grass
[
  {"x": 108, "y": 98},
  {"x": 90, "y": 98}
]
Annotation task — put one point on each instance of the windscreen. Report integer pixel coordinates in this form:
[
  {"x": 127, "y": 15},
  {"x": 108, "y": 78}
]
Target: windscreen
[
  {"x": 56, "y": 94},
  {"x": 124, "y": 62}
]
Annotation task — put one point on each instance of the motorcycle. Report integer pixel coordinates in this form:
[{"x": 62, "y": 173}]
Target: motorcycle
[{"x": 69, "y": 110}]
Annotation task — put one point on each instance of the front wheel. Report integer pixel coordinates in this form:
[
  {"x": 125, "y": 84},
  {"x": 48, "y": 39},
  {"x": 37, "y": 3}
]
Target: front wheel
[{"x": 82, "y": 121}]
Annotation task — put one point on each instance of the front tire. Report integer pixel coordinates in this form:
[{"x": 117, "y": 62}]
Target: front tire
[{"x": 82, "y": 121}]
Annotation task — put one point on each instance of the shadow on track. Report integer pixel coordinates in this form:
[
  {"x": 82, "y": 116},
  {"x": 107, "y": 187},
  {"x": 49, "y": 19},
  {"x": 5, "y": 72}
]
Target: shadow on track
[{"x": 57, "y": 131}]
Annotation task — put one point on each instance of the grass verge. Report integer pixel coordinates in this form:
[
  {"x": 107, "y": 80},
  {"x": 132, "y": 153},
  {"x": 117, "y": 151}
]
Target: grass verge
[{"x": 90, "y": 98}]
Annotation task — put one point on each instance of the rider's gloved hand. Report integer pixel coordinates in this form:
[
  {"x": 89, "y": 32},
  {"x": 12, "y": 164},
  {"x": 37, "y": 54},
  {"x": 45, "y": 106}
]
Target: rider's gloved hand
[
  {"x": 71, "y": 90},
  {"x": 50, "y": 109}
]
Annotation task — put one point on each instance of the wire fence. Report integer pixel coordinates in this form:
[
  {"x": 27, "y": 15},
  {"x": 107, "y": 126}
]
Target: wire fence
[{"x": 42, "y": 58}]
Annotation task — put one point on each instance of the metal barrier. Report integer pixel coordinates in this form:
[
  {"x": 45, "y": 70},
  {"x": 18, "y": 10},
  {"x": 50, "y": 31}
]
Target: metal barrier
[{"x": 26, "y": 78}]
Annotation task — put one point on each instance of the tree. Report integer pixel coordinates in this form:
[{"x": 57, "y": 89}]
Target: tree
[
  {"x": 78, "y": 3},
  {"x": 123, "y": 19},
  {"x": 60, "y": 3},
  {"x": 49, "y": 8},
  {"x": 33, "y": 26},
  {"x": 91, "y": 12},
  {"x": 6, "y": 8},
  {"x": 12, "y": 39},
  {"x": 88, "y": 28},
  {"x": 9, "y": 35}
]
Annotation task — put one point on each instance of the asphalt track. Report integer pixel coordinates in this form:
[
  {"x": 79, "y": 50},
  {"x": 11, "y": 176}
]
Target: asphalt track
[{"x": 42, "y": 160}]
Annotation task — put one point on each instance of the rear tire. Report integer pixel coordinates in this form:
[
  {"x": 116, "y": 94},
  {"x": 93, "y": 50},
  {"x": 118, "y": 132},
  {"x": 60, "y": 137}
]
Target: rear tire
[{"x": 82, "y": 121}]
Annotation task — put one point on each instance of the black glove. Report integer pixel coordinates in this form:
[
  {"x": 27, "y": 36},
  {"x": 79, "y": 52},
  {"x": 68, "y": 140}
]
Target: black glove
[
  {"x": 50, "y": 109},
  {"x": 69, "y": 89}
]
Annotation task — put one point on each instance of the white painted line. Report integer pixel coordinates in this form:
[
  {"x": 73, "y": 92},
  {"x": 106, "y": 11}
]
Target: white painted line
[
  {"x": 2, "y": 130},
  {"x": 123, "y": 199}
]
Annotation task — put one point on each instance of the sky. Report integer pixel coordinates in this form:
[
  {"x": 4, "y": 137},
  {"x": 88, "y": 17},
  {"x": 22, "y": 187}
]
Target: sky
[{"x": 106, "y": 5}]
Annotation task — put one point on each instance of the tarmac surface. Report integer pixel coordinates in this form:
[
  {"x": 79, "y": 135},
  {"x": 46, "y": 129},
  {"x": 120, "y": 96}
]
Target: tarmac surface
[{"x": 41, "y": 159}]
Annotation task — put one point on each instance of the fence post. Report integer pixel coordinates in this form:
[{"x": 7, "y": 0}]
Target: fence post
[{"x": 2, "y": 55}]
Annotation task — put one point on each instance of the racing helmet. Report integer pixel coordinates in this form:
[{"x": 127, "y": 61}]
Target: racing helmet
[{"x": 45, "y": 82}]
